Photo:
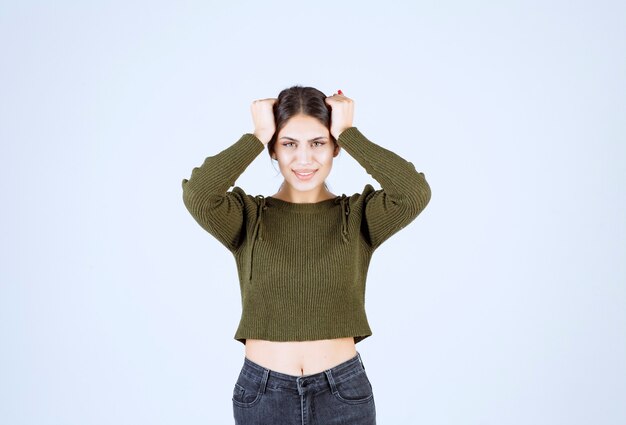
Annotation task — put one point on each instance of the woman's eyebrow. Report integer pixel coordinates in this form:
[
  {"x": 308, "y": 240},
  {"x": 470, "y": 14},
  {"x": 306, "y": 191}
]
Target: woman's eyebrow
[{"x": 296, "y": 140}]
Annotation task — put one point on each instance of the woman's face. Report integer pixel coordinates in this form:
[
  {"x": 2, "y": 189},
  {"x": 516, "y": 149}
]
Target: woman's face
[{"x": 304, "y": 152}]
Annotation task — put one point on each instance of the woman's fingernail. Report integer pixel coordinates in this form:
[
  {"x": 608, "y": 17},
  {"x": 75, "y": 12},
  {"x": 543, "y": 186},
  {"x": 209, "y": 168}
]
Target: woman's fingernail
[{"x": 340, "y": 92}]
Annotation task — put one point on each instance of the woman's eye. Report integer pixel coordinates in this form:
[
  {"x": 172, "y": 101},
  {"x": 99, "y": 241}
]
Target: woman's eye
[{"x": 288, "y": 144}]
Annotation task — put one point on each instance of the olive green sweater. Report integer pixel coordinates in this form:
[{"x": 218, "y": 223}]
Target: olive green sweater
[{"x": 302, "y": 267}]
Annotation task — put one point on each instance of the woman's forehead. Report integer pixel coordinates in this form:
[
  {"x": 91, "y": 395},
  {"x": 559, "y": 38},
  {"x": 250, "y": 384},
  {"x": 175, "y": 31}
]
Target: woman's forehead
[{"x": 303, "y": 127}]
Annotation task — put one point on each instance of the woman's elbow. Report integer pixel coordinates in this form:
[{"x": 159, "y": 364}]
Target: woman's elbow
[{"x": 420, "y": 196}]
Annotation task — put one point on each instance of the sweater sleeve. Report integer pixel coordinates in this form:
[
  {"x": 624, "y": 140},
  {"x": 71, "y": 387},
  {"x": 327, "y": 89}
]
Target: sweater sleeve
[
  {"x": 218, "y": 211},
  {"x": 404, "y": 194}
]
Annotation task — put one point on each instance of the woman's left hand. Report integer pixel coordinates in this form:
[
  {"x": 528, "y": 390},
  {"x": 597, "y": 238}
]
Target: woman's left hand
[{"x": 341, "y": 114}]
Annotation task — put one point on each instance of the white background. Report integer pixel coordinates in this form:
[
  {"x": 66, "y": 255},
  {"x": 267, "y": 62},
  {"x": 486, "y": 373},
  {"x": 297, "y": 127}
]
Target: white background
[{"x": 502, "y": 303}]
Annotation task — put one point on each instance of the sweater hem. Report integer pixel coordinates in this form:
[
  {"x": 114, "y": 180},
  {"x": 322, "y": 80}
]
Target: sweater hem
[{"x": 358, "y": 337}]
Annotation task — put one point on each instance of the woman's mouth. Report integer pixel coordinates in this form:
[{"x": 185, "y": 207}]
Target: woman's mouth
[{"x": 304, "y": 175}]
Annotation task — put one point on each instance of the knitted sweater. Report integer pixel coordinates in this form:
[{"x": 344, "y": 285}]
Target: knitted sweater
[{"x": 302, "y": 267}]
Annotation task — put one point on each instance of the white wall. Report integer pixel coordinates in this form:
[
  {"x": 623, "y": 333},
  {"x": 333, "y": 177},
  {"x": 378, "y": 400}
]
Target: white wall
[{"x": 502, "y": 303}]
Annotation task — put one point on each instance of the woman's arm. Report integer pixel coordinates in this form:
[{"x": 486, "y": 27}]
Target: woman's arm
[
  {"x": 404, "y": 194},
  {"x": 219, "y": 212},
  {"x": 205, "y": 195}
]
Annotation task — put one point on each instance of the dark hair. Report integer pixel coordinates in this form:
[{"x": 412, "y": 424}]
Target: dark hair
[{"x": 299, "y": 100}]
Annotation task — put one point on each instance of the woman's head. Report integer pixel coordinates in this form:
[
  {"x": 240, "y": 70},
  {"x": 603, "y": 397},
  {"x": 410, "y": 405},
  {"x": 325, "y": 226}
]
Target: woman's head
[
  {"x": 299, "y": 100},
  {"x": 302, "y": 141}
]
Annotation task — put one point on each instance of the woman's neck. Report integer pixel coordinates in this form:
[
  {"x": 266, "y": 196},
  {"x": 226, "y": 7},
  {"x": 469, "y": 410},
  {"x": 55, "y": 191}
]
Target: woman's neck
[{"x": 297, "y": 196}]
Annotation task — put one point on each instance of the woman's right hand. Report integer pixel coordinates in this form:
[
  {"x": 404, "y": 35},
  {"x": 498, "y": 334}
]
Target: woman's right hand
[{"x": 263, "y": 117}]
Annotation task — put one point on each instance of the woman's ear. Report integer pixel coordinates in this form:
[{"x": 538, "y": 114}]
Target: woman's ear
[{"x": 336, "y": 151}]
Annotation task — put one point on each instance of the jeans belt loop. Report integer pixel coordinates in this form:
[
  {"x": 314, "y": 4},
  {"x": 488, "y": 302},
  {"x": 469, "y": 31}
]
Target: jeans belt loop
[
  {"x": 331, "y": 381},
  {"x": 264, "y": 380}
]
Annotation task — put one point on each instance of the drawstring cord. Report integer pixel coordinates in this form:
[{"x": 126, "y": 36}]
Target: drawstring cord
[
  {"x": 257, "y": 232},
  {"x": 345, "y": 210}
]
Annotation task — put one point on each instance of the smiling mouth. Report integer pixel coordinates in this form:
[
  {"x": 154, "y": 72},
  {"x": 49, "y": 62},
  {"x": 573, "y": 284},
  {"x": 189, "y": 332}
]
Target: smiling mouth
[{"x": 304, "y": 176}]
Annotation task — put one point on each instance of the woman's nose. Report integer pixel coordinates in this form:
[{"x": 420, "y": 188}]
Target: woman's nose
[{"x": 304, "y": 155}]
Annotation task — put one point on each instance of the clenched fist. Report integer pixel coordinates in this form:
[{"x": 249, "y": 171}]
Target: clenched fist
[
  {"x": 263, "y": 117},
  {"x": 341, "y": 114}
]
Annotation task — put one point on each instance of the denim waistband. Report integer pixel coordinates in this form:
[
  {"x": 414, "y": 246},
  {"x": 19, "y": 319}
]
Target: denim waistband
[{"x": 329, "y": 377}]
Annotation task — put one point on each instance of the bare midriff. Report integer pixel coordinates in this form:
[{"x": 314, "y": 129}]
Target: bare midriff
[{"x": 300, "y": 357}]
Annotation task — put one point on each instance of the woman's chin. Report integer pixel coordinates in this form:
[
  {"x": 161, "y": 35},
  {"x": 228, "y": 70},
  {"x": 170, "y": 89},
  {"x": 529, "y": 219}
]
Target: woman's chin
[{"x": 304, "y": 186}]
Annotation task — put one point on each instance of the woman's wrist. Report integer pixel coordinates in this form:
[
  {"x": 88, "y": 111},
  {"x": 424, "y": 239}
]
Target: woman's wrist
[
  {"x": 262, "y": 137},
  {"x": 338, "y": 133}
]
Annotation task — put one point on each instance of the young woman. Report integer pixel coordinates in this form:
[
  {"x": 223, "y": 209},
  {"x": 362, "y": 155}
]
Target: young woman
[{"x": 302, "y": 256}]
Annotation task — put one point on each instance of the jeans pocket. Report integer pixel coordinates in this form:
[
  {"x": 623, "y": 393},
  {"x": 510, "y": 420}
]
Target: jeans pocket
[
  {"x": 247, "y": 392},
  {"x": 355, "y": 390}
]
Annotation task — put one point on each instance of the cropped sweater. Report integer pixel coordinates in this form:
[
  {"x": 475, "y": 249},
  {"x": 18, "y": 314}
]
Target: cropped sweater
[{"x": 302, "y": 267}]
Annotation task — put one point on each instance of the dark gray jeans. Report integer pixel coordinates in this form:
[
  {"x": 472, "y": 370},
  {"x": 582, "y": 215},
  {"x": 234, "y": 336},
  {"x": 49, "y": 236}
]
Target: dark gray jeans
[{"x": 339, "y": 395}]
